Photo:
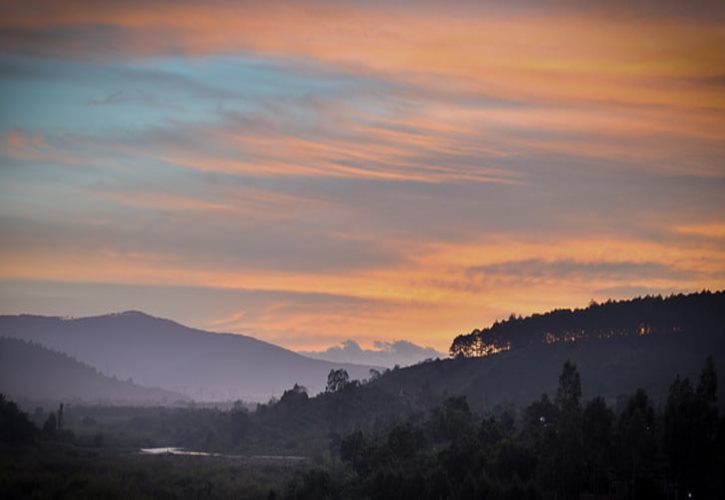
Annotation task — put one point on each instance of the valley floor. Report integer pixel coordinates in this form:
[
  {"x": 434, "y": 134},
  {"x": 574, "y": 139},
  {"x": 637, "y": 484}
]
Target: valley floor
[{"x": 52, "y": 470}]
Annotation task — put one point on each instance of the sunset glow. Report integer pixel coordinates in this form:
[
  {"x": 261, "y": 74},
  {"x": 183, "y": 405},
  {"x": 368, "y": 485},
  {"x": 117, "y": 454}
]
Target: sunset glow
[{"x": 311, "y": 172}]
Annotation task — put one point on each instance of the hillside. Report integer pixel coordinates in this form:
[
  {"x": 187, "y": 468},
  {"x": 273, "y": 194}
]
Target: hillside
[
  {"x": 609, "y": 368},
  {"x": 652, "y": 315},
  {"x": 32, "y": 372},
  {"x": 617, "y": 346},
  {"x": 161, "y": 353},
  {"x": 613, "y": 367}
]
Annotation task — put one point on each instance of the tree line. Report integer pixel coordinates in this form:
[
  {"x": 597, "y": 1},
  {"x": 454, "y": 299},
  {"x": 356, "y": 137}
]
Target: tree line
[
  {"x": 560, "y": 448},
  {"x": 650, "y": 315}
]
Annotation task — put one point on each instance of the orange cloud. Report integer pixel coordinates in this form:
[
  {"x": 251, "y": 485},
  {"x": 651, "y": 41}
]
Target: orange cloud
[
  {"x": 430, "y": 299},
  {"x": 33, "y": 147},
  {"x": 714, "y": 230},
  {"x": 628, "y": 85},
  {"x": 606, "y": 56},
  {"x": 471, "y": 90}
]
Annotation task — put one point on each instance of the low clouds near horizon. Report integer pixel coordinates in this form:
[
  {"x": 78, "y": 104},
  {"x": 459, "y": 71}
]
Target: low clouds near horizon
[{"x": 383, "y": 353}]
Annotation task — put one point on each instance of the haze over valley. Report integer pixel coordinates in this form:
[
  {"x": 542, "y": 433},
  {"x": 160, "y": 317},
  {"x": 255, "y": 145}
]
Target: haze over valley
[
  {"x": 621, "y": 346},
  {"x": 160, "y": 353},
  {"x": 334, "y": 250}
]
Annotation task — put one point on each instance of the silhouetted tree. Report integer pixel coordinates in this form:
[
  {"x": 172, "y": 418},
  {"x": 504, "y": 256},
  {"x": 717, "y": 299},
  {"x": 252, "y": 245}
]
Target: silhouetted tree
[
  {"x": 539, "y": 420},
  {"x": 60, "y": 417},
  {"x": 638, "y": 445},
  {"x": 297, "y": 394},
  {"x": 352, "y": 449},
  {"x": 597, "y": 439},
  {"x": 691, "y": 427},
  {"x": 453, "y": 419},
  {"x": 15, "y": 427},
  {"x": 50, "y": 427},
  {"x": 337, "y": 380},
  {"x": 240, "y": 424},
  {"x": 569, "y": 393},
  {"x": 314, "y": 483},
  {"x": 567, "y": 450}
]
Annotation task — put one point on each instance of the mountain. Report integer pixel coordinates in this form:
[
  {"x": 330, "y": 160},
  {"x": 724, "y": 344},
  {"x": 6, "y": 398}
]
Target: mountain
[
  {"x": 32, "y": 372},
  {"x": 161, "y": 353},
  {"x": 617, "y": 346}
]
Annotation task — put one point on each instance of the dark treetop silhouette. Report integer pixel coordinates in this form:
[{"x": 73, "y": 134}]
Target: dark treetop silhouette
[{"x": 652, "y": 315}]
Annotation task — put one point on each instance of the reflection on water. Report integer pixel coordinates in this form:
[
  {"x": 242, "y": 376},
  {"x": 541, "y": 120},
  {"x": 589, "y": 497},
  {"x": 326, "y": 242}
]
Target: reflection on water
[
  {"x": 175, "y": 451},
  {"x": 181, "y": 451}
]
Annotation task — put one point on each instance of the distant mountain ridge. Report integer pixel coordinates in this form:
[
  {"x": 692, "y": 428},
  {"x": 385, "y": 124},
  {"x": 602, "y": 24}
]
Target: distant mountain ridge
[
  {"x": 162, "y": 353},
  {"x": 618, "y": 346},
  {"x": 33, "y": 372}
]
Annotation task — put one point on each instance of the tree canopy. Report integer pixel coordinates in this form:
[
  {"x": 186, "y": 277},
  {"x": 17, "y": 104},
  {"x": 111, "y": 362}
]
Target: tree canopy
[{"x": 650, "y": 315}]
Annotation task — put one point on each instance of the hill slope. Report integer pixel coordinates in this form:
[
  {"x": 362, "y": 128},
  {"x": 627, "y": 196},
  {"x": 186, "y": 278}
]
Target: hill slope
[
  {"x": 30, "y": 371},
  {"x": 610, "y": 366},
  {"x": 651, "y": 315},
  {"x": 162, "y": 353},
  {"x": 617, "y": 346}
]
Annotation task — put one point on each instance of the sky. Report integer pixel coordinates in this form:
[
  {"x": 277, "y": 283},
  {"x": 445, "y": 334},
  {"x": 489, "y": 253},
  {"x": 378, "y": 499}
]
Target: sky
[{"x": 310, "y": 172}]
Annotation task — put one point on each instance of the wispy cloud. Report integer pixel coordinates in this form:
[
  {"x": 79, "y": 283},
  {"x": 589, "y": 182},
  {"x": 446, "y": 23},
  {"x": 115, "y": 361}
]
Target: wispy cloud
[{"x": 333, "y": 171}]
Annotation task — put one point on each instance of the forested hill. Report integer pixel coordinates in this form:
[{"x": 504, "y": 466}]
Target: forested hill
[
  {"x": 32, "y": 372},
  {"x": 652, "y": 315},
  {"x": 611, "y": 366},
  {"x": 617, "y": 346},
  {"x": 682, "y": 335}
]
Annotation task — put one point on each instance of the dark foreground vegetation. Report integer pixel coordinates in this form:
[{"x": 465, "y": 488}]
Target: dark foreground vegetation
[
  {"x": 560, "y": 447},
  {"x": 50, "y": 470}
]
